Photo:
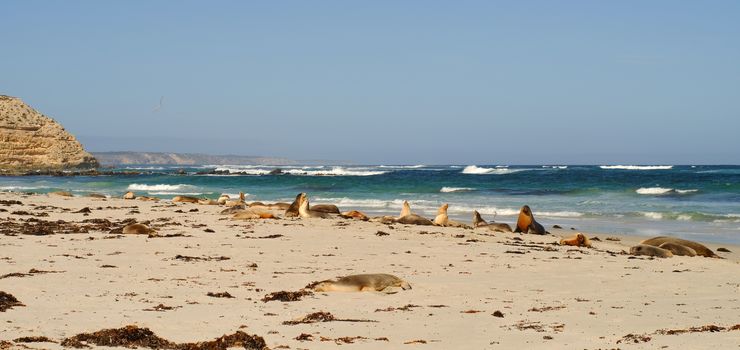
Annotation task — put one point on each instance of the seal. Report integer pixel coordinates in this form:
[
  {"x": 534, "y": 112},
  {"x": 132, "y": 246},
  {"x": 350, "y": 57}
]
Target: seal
[
  {"x": 699, "y": 248},
  {"x": 129, "y": 195},
  {"x": 233, "y": 210},
  {"x": 375, "y": 282},
  {"x": 527, "y": 224},
  {"x": 644, "y": 249},
  {"x": 231, "y": 203},
  {"x": 207, "y": 201},
  {"x": 494, "y": 226},
  {"x": 292, "y": 210},
  {"x": 443, "y": 220},
  {"x": 96, "y": 195},
  {"x": 305, "y": 212},
  {"x": 577, "y": 240},
  {"x": 145, "y": 198},
  {"x": 138, "y": 229},
  {"x": 185, "y": 199},
  {"x": 250, "y": 214},
  {"x": 354, "y": 214},
  {"x": 222, "y": 199},
  {"x": 408, "y": 218},
  {"x": 678, "y": 249},
  {"x": 326, "y": 208}
]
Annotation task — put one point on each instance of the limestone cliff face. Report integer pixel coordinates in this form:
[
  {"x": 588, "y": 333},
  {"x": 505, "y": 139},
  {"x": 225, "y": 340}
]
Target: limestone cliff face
[{"x": 30, "y": 141}]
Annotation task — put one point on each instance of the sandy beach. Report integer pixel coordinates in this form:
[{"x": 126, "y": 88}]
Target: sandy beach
[{"x": 472, "y": 289}]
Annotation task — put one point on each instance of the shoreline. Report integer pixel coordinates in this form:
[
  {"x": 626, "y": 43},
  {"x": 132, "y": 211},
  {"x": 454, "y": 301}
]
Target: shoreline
[{"x": 549, "y": 295}]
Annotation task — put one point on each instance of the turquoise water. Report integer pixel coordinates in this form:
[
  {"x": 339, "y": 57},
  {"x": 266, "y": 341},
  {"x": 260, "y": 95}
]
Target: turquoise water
[{"x": 696, "y": 202}]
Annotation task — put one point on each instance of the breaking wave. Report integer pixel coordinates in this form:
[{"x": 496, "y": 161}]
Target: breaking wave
[
  {"x": 456, "y": 189},
  {"x": 499, "y": 170},
  {"x": 662, "y": 190},
  {"x": 636, "y": 167}
]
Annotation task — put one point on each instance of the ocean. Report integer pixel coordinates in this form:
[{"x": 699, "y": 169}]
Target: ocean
[{"x": 699, "y": 202}]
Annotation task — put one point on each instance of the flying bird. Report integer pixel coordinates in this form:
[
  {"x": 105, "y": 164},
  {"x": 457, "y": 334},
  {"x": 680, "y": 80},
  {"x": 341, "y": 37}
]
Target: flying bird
[{"x": 158, "y": 107}]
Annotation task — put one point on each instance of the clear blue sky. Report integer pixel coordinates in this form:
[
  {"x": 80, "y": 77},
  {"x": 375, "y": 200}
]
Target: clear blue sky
[{"x": 467, "y": 82}]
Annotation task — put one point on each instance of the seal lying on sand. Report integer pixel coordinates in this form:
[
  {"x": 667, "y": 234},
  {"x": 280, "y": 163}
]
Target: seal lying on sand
[
  {"x": 207, "y": 201},
  {"x": 354, "y": 214},
  {"x": 678, "y": 249},
  {"x": 145, "y": 198},
  {"x": 129, "y": 195},
  {"x": 185, "y": 199},
  {"x": 526, "y": 223},
  {"x": 443, "y": 220},
  {"x": 699, "y": 248},
  {"x": 96, "y": 195},
  {"x": 305, "y": 212},
  {"x": 250, "y": 214},
  {"x": 643, "y": 249},
  {"x": 362, "y": 283},
  {"x": 138, "y": 229},
  {"x": 326, "y": 208},
  {"x": 577, "y": 240},
  {"x": 409, "y": 218},
  {"x": 292, "y": 210},
  {"x": 222, "y": 199},
  {"x": 495, "y": 226}
]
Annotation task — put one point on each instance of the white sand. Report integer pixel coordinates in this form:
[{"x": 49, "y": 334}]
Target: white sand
[{"x": 597, "y": 298}]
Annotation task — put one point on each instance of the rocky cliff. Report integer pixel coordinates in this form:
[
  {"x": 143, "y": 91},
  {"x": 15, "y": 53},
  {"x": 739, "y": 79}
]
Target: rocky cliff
[{"x": 31, "y": 141}]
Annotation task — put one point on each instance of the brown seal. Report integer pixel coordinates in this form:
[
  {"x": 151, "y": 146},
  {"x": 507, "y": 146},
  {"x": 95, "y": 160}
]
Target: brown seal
[
  {"x": 527, "y": 224},
  {"x": 326, "y": 208},
  {"x": 240, "y": 202},
  {"x": 678, "y": 249},
  {"x": 185, "y": 199},
  {"x": 138, "y": 229},
  {"x": 292, "y": 210},
  {"x": 129, "y": 195},
  {"x": 700, "y": 249},
  {"x": 644, "y": 249},
  {"x": 577, "y": 240},
  {"x": 354, "y": 214},
  {"x": 494, "y": 226},
  {"x": 443, "y": 220},
  {"x": 375, "y": 282},
  {"x": 305, "y": 212},
  {"x": 96, "y": 195}
]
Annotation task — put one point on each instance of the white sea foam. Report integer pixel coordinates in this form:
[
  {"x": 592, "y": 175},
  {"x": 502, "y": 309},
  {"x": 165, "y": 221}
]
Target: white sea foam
[
  {"x": 16, "y": 188},
  {"x": 158, "y": 187},
  {"x": 164, "y": 193},
  {"x": 637, "y": 167},
  {"x": 418, "y": 166},
  {"x": 555, "y": 166},
  {"x": 662, "y": 190},
  {"x": 303, "y": 171},
  {"x": 456, "y": 189},
  {"x": 499, "y": 170},
  {"x": 653, "y": 215}
]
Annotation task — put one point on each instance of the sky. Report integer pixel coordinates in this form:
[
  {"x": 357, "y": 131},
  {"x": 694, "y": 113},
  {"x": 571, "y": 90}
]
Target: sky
[{"x": 386, "y": 82}]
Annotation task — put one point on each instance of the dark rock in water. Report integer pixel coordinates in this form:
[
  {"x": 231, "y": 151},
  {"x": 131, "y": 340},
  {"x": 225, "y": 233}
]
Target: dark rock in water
[
  {"x": 556, "y": 226},
  {"x": 276, "y": 171},
  {"x": 181, "y": 172},
  {"x": 723, "y": 250}
]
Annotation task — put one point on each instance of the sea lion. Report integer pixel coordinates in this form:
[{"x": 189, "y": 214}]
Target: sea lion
[
  {"x": 305, "y": 212},
  {"x": 362, "y": 283},
  {"x": 138, "y": 229},
  {"x": 700, "y": 249},
  {"x": 145, "y": 198},
  {"x": 354, "y": 214},
  {"x": 222, "y": 199},
  {"x": 207, "y": 201},
  {"x": 527, "y": 224},
  {"x": 96, "y": 195},
  {"x": 62, "y": 193},
  {"x": 231, "y": 203},
  {"x": 257, "y": 204},
  {"x": 443, "y": 220},
  {"x": 678, "y": 249},
  {"x": 326, "y": 208},
  {"x": 279, "y": 206},
  {"x": 577, "y": 240},
  {"x": 292, "y": 210},
  {"x": 250, "y": 214},
  {"x": 408, "y": 218},
  {"x": 405, "y": 210},
  {"x": 644, "y": 249},
  {"x": 494, "y": 226},
  {"x": 129, "y": 195},
  {"x": 185, "y": 199},
  {"x": 233, "y": 210}
]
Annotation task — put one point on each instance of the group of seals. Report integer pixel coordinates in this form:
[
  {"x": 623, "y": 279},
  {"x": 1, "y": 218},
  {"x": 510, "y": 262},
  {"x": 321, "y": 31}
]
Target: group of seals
[
  {"x": 665, "y": 247},
  {"x": 376, "y": 282}
]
